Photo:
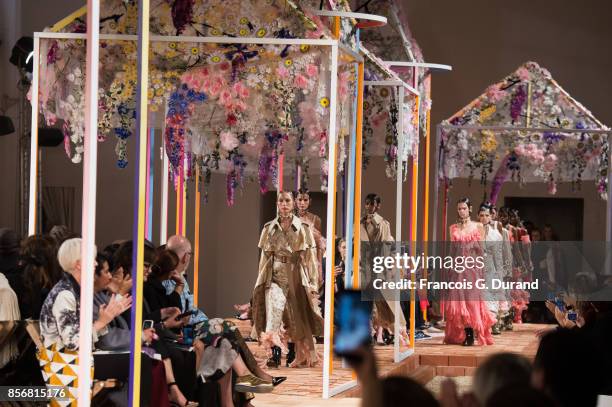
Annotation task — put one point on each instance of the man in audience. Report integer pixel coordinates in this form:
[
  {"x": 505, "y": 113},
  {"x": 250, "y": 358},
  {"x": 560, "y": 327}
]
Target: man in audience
[{"x": 181, "y": 246}]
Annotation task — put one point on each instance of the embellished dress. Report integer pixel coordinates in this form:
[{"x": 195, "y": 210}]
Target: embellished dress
[
  {"x": 285, "y": 294},
  {"x": 497, "y": 266},
  {"x": 465, "y": 308},
  {"x": 521, "y": 268}
]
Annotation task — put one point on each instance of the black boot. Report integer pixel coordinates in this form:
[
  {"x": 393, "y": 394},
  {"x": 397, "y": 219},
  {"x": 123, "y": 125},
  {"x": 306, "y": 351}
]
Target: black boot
[
  {"x": 291, "y": 354},
  {"x": 469, "y": 337},
  {"x": 275, "y": 360}
]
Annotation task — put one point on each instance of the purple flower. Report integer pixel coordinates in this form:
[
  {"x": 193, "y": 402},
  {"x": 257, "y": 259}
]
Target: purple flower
[
  {"x": 52, "y": 56},
  {"x": 182, "y": 14},
  {"x": 517, "y": 103}
]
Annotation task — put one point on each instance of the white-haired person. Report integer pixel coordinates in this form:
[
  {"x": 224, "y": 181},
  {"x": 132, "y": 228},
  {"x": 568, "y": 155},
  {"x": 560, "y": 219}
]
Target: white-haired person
[{"x": 59, "y": 318}]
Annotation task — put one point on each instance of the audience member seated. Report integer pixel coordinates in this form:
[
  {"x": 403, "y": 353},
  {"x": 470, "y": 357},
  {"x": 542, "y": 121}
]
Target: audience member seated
[
  {"x": 220, "y": 354},
  {"x": 9, "y": 311},
  {"x": 519, "y": 395},
  {"x": 118, "y": 336},
  {"x": 59, "y": 318},
  {"x": 498, "y": 371},
  {"x": 568, "y": 368},
  {"x": 39, "y": 271},
  {"x": 181, "y": 246},
  {"x": 9, "y": 256}
]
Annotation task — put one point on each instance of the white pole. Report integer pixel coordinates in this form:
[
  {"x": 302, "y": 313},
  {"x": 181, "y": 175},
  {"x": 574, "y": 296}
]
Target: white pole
[
  {"x": 163, "y": 228},
  {"x": 398, "y": 216},
  {"x": 90, "y": 162},
  {"x": 34, "y": 140},
  {"x": 331, "y": 217}
]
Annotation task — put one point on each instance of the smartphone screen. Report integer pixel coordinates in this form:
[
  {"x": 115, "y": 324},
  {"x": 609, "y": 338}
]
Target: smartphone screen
[
  {"x": 352, "y": 320},
  {"x": 147, "y": 324}
]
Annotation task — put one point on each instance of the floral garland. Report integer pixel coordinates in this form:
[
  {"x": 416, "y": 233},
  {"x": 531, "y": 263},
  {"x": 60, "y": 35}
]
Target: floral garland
[
  {"x": 180, "y": 107},
  {"x": 268, "y": 159},
  {"x": 391, "y": 139}
]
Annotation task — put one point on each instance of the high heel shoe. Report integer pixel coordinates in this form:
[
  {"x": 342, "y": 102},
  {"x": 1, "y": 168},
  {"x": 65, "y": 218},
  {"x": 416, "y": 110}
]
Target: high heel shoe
[
  {"x": 275, "y": 360},
  {"x": 187, "y": 402},
  {"x": 291, "y": 354},
  {"x": 276, "y": 380},
  {"x": 469, "y": 337}
]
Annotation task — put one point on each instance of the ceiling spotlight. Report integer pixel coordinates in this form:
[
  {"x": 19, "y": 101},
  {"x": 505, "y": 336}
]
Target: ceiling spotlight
[
  {"x": 21, "y": 55},
  {"x": 6, "y": 126}
]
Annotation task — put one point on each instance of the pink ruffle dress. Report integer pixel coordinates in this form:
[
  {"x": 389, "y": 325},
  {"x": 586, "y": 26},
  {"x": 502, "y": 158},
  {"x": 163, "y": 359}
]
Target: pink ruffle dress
[{"x": 465, "y": 308}]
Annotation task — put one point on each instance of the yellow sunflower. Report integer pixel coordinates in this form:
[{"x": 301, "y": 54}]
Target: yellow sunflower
[
  {"x": 304, "y": 48},
  {"x": 261, "y": 33},
  {"x": 195, "y": 50},
  {"x": 288, "y": 62},
  {"x": 324, "y": 102},
  {"x": 172, "y": 45},
  {"x": 244, "y": 21},
  {"x": 243, "y": 32}
]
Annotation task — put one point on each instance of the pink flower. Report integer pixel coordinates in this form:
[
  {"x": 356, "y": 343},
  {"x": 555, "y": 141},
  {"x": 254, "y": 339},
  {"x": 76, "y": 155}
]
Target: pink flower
[
  {"x": 241, "y": 90},
  {"x": 312, "y": 70},
  {"x": 301, "y": 81},
  {"x": 224, "y": 66},
  {"x": 282, "y": 72},
  {"x": 228, "y": 141},
  {"x": 550, "y": 162},
  {"x": 378, "y": 119},
  {"x": 519, "y": 150},
  {"x": 523, "y": 74},
  {"x": 239, "y": 105},
  {"x": 216, "y": 86},
  {"x": 225, "y": 97},
  {"x": 495, "y": 94}
]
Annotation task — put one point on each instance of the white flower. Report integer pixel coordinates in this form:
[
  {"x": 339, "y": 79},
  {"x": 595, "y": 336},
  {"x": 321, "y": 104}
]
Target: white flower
[
  {"x": 215, "y": 326},
  {"x": 77, "y": 72},
  {"x": 76, "y": 158},
  {"x": 228, "y": 140},
  {"x": 555, "y": 110},
  {"x": 70, "y": 77},
  {"x": 252, "y": 81}
]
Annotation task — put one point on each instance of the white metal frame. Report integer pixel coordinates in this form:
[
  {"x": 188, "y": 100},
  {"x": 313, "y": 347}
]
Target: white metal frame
[
  {"x": 90, "y": 174},
  {"x": 91, "y": 113},
  {"x": 403, "y": 87},
  {"x": 427, "y": 65},
  {"x": 381, "y": 20}
]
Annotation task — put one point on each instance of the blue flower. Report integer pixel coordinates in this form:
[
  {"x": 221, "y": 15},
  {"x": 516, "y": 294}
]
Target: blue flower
[
  {"x": 122, "y": 133},
  {"x": 122, "y": 163}
]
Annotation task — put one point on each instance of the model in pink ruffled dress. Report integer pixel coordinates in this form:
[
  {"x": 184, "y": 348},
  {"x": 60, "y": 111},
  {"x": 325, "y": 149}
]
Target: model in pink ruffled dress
[{"x": 467, "y": 314}]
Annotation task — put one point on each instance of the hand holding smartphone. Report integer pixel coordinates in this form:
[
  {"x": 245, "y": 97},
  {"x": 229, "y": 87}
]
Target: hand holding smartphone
[{"x": 352, "y": 320}]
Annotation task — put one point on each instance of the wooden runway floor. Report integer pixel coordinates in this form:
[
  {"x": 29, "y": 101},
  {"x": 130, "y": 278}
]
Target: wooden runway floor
[{"x": 432, "y": 358}]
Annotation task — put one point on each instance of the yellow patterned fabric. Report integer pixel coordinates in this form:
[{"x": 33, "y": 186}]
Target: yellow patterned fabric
[{"x": 59, "y": 368}]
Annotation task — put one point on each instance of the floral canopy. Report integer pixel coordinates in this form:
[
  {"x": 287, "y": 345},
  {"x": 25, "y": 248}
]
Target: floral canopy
[
  {"x": 381, "y": 117},
  {"x": 486, "y": 136},
  {"x": 232, "y": 108},
  {"x": 384, "y": 42}
]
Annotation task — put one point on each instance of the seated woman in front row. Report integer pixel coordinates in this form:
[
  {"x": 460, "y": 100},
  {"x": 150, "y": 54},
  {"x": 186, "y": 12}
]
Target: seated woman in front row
[{"x": 218, "y": 358}]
